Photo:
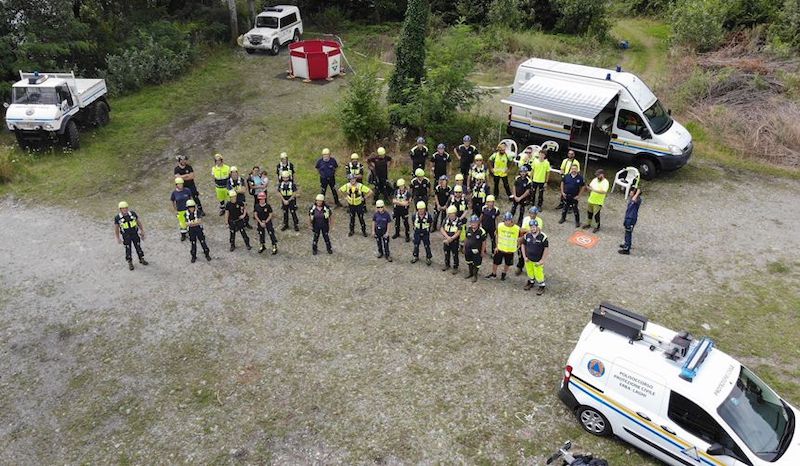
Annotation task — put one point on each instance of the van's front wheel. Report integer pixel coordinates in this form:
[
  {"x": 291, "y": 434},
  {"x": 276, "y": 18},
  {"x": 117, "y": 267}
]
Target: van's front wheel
[
  {"x": 593, "y": 421},
  {"x": 276, "y": 47},
  {"x": 647, "y": 168}
]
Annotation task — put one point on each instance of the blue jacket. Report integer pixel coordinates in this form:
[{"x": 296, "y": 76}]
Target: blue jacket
[
  {"x": 632, "y": 211},
  {"x": 327, "y": 168}
]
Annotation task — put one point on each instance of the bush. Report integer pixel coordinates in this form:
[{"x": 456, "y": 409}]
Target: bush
[
  {"x": 6, "y": 165},
  {"x": 642, "y": 7},
  {"x": 410, "y": 53},
  {"x": 748, "y": 13},
  {"x": 332, "y": 20},
  {"x": 505, "y": 14},
  {"x": 786, "y": 29},
  {"x": 582, "y": 17},
  {"x": 363, "y": 117},
  {"x": 485, "y": 131},
  {"x": 698, "y": 23}
]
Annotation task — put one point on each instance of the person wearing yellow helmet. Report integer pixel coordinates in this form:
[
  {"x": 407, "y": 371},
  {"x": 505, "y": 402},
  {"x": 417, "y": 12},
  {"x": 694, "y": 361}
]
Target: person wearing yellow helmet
[
  {"x": 195, "y": 224},
  {"x": 326, "y": 166},
  {"x": 418, "y": 154},
  {"x": 262, "y": 212},
  {"x": 320, "y": 221},
  {"x": 185, "y": 171},
  {"x": 401, "y": 201},
  {"x": 356, "y": 195},
  {"x": 459, "y": 181},
  {"x": 422, "y": 221},
  {"x": 221, "y": 174},
  {"x": 284, "y": 165},
  {"x": 480, "y": 190},
  {"x": 179, "y": 197},
  {"x": 380, "y": 229},
  {"x": 459, "y": 200},
  {"x": 379, "y": 177},
  {"x": 355, "y": 168},
  {"x": 128, "y": 230},
  {"x": 477, "y": 168},
  {"x": 541, "y": 175},
  {"x": 288, "y": 191},
  {"x": 420, "y": 186},
  {"x": 451, "y": 235},
  {"x": 236, "y": 217}
]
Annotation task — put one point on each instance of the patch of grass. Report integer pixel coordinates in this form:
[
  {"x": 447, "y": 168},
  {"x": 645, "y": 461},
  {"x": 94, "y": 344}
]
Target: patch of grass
[{"x": 778, "y": 267}]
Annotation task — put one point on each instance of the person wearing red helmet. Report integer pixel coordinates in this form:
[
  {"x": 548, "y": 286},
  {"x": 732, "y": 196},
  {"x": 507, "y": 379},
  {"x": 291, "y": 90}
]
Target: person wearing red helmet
[{"x": 263, "y": 214}]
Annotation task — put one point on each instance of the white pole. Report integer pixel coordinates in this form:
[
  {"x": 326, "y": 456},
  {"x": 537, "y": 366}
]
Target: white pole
[{"x": 588, "y": 143}]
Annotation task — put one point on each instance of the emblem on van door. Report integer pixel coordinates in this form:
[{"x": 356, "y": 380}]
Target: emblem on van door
[{"x": 596, "y": 367}]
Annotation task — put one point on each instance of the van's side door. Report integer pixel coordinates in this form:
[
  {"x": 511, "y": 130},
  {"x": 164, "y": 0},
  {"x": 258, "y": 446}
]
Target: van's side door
[
  {"x": 286, "y": 30},
  {"x": 697, "y": 430}
]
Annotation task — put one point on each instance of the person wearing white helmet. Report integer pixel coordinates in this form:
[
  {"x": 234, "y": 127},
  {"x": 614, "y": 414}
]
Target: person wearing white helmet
[
  {"x": 128, "y": 230},
  {"x": 262, "y": 212},
  {"x": 420, "y": 186},
  {"x": 320, "y": 221},
  {"x": 419, "y": 154},
  {"x": 185, "y": 171},
  {"x": 326, "y": 166},
  {"x": 441, "y": 162},
  {"x": 221, "y": 174},
  {"x": 237, "y": 183},
  {"x": 480, "y": 190},
  {"x": 380, "y": 229},
  {"x": 477, "y": 168},
  {"x": 466, "y": 155},
  {"x": 179, "y": 197},
  {"x": 451, "y": 235},
  {"x": 236, "y": 218},
  {"x": 401, "y": 201},
  {"x": 356, "y": 195},
  {"x": 379, "y": 169},
  {"x": 284, "y": 165},
  {"x": 195, "y": 223},
  {"x": 422, "y": 221},
  {"x": 355, "y": 168},
  {"x": 288, "y": 191}
]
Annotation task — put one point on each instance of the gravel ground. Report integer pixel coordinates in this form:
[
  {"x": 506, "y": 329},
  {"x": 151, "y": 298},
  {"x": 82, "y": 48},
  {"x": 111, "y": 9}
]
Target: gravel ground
[{"x": 294, "y": 359}]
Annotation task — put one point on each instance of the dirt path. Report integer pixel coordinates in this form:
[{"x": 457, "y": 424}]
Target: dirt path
[{"x": 337, "y": 359}]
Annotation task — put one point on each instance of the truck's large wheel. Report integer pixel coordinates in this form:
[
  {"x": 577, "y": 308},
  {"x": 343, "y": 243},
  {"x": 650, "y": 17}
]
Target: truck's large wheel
[
  {"x": 101, "y": 114},
  {"x": 276, "y": 47},
  {"x": 23, "y": 142},
  {"x": 296, "y": 37},
  {"x": 71, "y": 137},
  {"x": 250, "y": 51}
]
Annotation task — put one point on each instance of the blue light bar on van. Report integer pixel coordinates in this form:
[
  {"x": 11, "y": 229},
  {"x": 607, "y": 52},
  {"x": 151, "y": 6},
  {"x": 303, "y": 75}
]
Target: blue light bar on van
[{"x": 695, "y": 359}]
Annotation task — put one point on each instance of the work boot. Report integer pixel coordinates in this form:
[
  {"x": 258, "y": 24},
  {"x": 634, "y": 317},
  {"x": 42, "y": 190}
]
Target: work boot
[
  {"x": 274, "y": 249},
  {"x": 130, "y": 265},
  {"x": 491, "y": 276},
  {"x": 577, "y": 223},
  {"x": 248, "y": 246},
  {"x": 330, "y": 251},
  {"x": 626, "y": 252},
  {"x": 596, "y": 229},
  {"x": 183, "y": 236},
  {"x": 285, "y": 227},
  {"x": 414, "y": 260},
  {"x": 518, "y": 272},
  {"x": 586, "y": 226},
  {"x": 396, "y": 235},
  {"x": 540, "y": 291},
  {"x": 351, "y": 233},
  {"x": 262, "y": 248},
  {"x": 296, "y": 227},
  {"x": 427, "y": 261},
  {"x": 562, "y": 221},
  {"x": 475, "y": 277},
  {"x": 364, "y": 233},
  {"x": 233, "y": 247},
  {"x": 338, "y": 204},
  {"x": 471, "y": 273},
  {"x": 314, "y": 252},
  {"x": 208, "y": 257},
  {"x": 503, "y": 277},
  {"x": 380, "y": 255},
  {"x": 388, "y": 258},
  {"x": 194, "y": 259},
  {"x": 445, "y": 267},
  {"x": 528, "y": 286},
  {"x": 455, "y": 271},
  {"x": 142, "y": 261},
  {"x": 221, "y": 212},
  {"x": 408, "y": 238}
]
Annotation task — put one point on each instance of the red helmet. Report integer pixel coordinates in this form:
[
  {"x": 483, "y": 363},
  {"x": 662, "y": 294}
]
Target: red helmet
[{"x": 262, "y": 195}]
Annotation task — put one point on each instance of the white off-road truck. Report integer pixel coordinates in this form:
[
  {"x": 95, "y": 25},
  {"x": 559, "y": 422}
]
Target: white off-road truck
[
  {"x": 275, "y": 26},
  {"x": 51, "y": 106}
]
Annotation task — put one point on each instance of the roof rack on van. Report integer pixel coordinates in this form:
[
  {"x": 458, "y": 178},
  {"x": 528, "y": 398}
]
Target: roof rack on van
[
  {"x": 273, "y": 9},
  {"x": 633, "y": 326}
]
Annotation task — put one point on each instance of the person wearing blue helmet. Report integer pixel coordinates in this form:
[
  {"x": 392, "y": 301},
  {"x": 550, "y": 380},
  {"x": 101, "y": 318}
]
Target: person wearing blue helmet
[
  {"x": 534, "y": 251},
  {"x": 507, "y": 244},
  {"x": 419, "y": 154},
  {"x": 474, "y": 247},
  {"x": 466, "y": 153},
  {"x": 441, "y": 162}
]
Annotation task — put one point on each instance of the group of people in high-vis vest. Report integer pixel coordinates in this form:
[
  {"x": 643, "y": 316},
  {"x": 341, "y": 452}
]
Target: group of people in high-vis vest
[{"x": 465, "y": 214}]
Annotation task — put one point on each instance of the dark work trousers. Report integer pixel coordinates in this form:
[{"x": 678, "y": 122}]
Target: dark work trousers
[
  {"x": 238, "y": 225},
  {"x": 325, "y": 183},
  {"x": 521, "y": 206},
  {"x": 324, "y": 231},
  {"x": 537, "y": 194},
  {"x": 291, "y": 207},
  {"x": 400, "y": 213},
  {"x": 383, "y": 241},
  {"x": 504, "y": 180},
  {"x": 357, "y": 211},
  {"x": 464, "y": 171},
  {"x": 196, "y": 234},
  {"x": 424, "y": 237},
  {"x": 628, "y": 224},
  {"x": 383, "y": 190},
  {"x": 451, "y": 249},
  {"x": 437, "y": 214},
  {"x": 196, "y": 197},
  {"x": 262, "y": 233},
  {"x": 474, "y": 259},
  {"x": 492, "y": 234},
  {"x": 570, "y": 202},
  {"x": 129, "y": 239}
]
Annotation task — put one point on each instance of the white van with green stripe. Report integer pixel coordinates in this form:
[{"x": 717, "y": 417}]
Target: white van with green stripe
[
  {"x": 604, "y": 114},
  {"x": 675, "y": 397}
]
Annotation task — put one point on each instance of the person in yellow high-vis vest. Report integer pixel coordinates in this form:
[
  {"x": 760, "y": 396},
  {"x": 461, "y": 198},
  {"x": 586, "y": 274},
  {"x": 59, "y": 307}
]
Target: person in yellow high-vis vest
[
  {"x": 221, "y": 174},
  {"x": 356, "y": 196},
  {"x": 598, "y": 188},
  {"x": 507, "y": 243},
  {"x": 499, "y": 162},
  {"x": 540, "y": 177}
]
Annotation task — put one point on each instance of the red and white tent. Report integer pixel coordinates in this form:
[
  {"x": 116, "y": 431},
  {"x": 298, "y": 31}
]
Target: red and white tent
[{"x": 315, "y": 59}]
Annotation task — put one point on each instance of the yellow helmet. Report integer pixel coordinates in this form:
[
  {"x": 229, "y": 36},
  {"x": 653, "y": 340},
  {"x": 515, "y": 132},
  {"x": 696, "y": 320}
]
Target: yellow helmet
[
  {"x": 401, "y": 182},
  {"x": 458, "y": 189},
  {"x": 217, "y": 156},
  {"x": 231, "y": 193},
  {"x": 379, "y": 203},
  {"x": 420, "y": 205},
  {"x": 178, "y": 180},
  {"x": 122, "y": 205},
  {"x": 459, "y": 177},
  {"x": 490, "y": 198},
  {"x": 320, "y": 197},
  {"x": 234, "y": 169},
  {"x": 284, "y": 155},
  {"x": 326, "y": 151},
  {"x": 478, "y": 157},
  {"x": 286, "y": 174},
  {"x": 419, "y": 172},
  {"x": 191, "y": 203},
  {"x": 353, "y": 156},
  {"x": 381, "y": 151},
  {"x": 452, "y": 209}
]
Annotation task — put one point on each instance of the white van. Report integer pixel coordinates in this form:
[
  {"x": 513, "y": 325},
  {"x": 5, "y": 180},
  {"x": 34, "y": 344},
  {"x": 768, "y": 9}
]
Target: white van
[
  {"x": 601, "y": 113},
  {"x": 275, "y": 26},
  {"x": 673, "y": 396}
]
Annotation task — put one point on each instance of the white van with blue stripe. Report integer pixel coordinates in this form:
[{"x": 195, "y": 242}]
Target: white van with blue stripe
[
  {"x": 675, "y": 397},
  {"x": 603, "y": 114}
]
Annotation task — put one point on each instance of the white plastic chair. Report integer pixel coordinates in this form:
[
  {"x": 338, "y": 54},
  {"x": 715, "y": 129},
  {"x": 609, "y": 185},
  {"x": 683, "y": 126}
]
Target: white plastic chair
[
  {"x": 534, "y": 150},
  {"x": 626, "y": 178},
  {"x": 511, "y": 147},
  {"x": 551, "y": 146}
]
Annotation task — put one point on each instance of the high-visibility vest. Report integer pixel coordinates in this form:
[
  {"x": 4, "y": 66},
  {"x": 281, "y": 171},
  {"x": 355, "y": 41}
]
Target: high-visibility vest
[
  {"x": 451, "y": 225},
  {"x": 500, "y": 161},
  {"x": 507, "y": 237},
  {"x": 540, "y": 170},
  {"x": 355, "y": 193},
  {"x": 221, "y": 174},
  {"x": 597, "y": 198},
  {"x": 128, "y": 222},
  {"x": 286, "y": 189},
  {"x": 566, "y": 164}
]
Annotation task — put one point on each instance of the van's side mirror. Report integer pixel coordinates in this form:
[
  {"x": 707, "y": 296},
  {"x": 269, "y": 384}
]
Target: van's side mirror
[
  {"x": 715, "y": 449},
  {"x": 5, "y": 105},
  {"x": 645, "y": 134},
  {"x": 669, "y": 111}
]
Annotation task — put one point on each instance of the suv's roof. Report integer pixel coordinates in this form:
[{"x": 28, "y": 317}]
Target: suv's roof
[
  {"x": 284, "y": 10},
  {"x": 709, "y": 387}
]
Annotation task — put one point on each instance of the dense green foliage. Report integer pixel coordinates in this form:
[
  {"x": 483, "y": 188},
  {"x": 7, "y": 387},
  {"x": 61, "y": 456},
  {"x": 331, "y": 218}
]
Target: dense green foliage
[
  {"x": 410, "y": 53},
  {"x": 698, "y": 23},
  {"x": 363, "y": 116},
  {"x": 786, "y": 29}
]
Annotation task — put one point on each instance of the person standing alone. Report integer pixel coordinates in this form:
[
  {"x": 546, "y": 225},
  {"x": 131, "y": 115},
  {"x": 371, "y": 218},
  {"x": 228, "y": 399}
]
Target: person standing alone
[
  {"x": 631, "y": 217},
  {"x": 128, "y": 230}
]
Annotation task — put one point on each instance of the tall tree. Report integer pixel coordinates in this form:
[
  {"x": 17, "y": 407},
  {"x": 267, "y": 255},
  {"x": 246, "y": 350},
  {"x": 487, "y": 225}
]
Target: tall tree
[
  {"x": 410, "y": 53},
  {"x": 234, "y": 19}
]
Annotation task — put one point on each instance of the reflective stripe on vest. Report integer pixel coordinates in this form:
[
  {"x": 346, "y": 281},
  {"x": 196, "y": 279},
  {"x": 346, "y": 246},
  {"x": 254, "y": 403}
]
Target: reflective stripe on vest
[
  {"x": 221, "y": 175},
  {"x": 286, "y": 189},
  {"x": 421, "y": 223},
  {"x": 451, "y": 226}
]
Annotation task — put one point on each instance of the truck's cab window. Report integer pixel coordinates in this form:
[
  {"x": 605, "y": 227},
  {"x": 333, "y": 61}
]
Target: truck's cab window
[
  {"x": 288, "y": 20},
  {"x": 630, "y": 122},
  {"x": 64, "y": 94},
  {"x": 699, "y": 423}
]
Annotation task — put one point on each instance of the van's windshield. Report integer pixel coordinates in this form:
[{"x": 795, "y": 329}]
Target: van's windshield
[
  {"x": 269, "y": 22},
  {"x": 659, "y": 119},
  {"x": 758, "y": 416},
  {"x": 34, "y": 95}
]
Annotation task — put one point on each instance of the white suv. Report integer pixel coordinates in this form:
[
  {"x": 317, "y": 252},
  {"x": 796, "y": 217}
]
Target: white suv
[{"x": 275, "y": 26}]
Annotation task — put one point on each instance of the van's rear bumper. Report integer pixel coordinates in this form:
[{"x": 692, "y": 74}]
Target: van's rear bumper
[
  {"x": 566, "y": 397},
  {"x": 674, "y": 162}
]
